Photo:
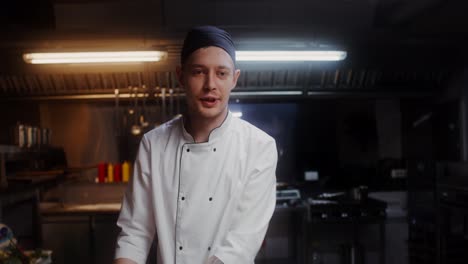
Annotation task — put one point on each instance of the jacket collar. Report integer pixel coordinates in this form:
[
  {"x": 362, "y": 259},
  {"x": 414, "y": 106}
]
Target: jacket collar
[{"x": 215, "y": 134}]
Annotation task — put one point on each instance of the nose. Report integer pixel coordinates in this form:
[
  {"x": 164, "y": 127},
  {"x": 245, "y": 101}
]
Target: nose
[{"x": 210, "y": 81}]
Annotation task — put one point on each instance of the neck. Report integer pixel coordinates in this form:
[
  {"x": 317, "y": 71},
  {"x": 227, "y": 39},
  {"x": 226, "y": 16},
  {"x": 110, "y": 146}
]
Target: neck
[{"x": 200, "y": 128}]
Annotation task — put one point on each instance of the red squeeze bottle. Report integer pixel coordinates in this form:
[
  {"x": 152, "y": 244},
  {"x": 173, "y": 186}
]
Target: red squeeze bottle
[
  {"x": 117, "y": 172},
  {"x": 102, "y": 169}
]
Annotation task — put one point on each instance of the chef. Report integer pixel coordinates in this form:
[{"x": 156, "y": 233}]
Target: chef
[{"x": 204, "y": 184}]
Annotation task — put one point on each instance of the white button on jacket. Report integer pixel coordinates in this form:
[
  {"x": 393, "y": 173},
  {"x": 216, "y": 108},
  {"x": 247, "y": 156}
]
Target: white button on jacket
[{"x": 201, "y": 201}]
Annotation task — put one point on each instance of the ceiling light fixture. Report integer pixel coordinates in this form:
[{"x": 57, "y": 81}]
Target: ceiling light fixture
[
  {"x": 276, "y": 55},
  {"x": 94, "y": 57}
]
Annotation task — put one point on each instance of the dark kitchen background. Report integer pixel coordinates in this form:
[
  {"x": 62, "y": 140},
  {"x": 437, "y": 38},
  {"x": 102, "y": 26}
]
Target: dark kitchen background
[{"x": 373, "y": 150}]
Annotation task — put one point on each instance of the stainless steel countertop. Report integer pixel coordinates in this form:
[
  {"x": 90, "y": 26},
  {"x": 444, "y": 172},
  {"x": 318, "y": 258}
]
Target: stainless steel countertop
[{"x": 97, "y": 208}]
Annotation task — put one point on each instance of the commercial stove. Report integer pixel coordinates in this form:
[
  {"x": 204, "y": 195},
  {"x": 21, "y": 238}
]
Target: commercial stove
[
  {"x": 452, "y": 213},
  {"x": 334, "y": 209}
]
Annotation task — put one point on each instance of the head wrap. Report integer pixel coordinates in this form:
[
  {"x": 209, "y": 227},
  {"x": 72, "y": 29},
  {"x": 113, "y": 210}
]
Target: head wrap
[{"x": 205, "y": 36}]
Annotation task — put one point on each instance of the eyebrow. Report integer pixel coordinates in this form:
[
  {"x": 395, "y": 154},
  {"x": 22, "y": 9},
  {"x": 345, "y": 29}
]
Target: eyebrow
[{"x": 221, "y": 67}]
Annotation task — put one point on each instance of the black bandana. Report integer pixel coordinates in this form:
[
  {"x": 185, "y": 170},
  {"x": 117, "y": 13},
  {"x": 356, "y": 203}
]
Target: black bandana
[{"x": 205, "y": 36}]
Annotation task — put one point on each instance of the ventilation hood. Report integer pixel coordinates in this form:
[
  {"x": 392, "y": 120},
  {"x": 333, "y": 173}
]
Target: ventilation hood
[{"x": 394, "y": 46}]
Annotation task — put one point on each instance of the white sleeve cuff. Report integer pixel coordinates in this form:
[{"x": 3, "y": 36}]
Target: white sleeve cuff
[{"x": 131, "y": 253}]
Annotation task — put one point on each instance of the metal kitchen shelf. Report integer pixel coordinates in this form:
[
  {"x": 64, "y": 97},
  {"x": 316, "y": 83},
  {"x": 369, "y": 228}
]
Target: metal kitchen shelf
[{"x": 239, "y": 94}]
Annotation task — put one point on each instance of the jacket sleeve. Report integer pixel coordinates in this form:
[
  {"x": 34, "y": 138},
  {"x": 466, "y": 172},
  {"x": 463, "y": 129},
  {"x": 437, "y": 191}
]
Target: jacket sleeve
[
  {"x": 136, "y": 218},
  {"x": 254, "y": 210}
]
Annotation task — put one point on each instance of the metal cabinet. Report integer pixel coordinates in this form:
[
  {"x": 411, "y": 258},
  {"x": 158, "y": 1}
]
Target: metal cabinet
[
  {"x": 86, "y": 238},
  {"x": 67, "y": 237},
  {"x": 19, "y": 211},
  {"x": 80, "y": 238}
]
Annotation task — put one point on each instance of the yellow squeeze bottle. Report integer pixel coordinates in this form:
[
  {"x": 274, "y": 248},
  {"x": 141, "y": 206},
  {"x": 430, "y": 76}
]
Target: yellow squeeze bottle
[
  {"x": 110, "y": 173},
  {"x": 125, "y": 171}
]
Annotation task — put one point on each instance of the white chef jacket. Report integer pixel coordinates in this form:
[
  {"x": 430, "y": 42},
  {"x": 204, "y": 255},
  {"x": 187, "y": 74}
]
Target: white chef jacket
[{"x": 199, "y": 199}]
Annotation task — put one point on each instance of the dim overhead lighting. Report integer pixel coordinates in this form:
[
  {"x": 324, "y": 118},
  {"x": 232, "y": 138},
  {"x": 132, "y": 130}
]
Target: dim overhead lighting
[
  {"x": 290, "y": 55},
  {"x": 94, "y": 57}
]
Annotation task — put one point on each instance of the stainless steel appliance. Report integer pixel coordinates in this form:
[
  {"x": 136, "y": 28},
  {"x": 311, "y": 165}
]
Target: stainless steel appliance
[{"x": 452, "y": 213}]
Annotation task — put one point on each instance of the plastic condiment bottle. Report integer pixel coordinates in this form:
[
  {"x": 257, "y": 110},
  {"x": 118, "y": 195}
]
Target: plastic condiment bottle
[
  {"x": 102, "y": 172},
  {"x": 125, "y": 171},
  {"x": 117, "y": 172},
  {"x": 110, "y": 173}
]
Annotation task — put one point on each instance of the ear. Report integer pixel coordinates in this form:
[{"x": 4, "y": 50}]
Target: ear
[
  {"x": 234, "y": 80},
  {"x": 180, "y": 75}
]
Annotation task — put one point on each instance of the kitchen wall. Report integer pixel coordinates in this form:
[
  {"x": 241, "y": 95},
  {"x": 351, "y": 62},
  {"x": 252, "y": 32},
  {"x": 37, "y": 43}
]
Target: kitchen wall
[
  {"x": 333, "y": 136},
  {"x": 11, "y": 113},
  {"x": 85, "y": 131}
]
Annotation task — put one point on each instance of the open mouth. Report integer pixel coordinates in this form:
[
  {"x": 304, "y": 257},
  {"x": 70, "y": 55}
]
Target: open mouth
[{"x": 208, "y": 99}]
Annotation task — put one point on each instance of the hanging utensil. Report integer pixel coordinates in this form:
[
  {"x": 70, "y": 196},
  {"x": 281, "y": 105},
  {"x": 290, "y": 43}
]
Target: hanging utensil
[
  {"x": 130, "y": 111},
  {"x": 143, "y": 114},
  {"x": 177, "y": 113},
  {"x": 116, "y": 113},
  {"x": 168, "y": 90},
  {"x": 163, "y": 104},
  {"x": 171, "y": 101},
  {"x": 158, "y": 107},
  {"x": 136, "y": 129},
  {"x": 176, "y": 96}
]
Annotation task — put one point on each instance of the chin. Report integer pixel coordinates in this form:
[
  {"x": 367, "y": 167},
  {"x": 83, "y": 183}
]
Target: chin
[{"x": 210, "y": 113}]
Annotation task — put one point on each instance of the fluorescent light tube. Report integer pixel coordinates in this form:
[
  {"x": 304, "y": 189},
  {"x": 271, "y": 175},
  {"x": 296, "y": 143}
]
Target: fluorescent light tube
[
  {"x": 276, "y": 55},
  {"x": 266, "y": 93},
  {"x": 94, "y": 57}
]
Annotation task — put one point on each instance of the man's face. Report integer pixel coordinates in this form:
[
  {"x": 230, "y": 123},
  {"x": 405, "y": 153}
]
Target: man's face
[{"x": 208, "y": 76}]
